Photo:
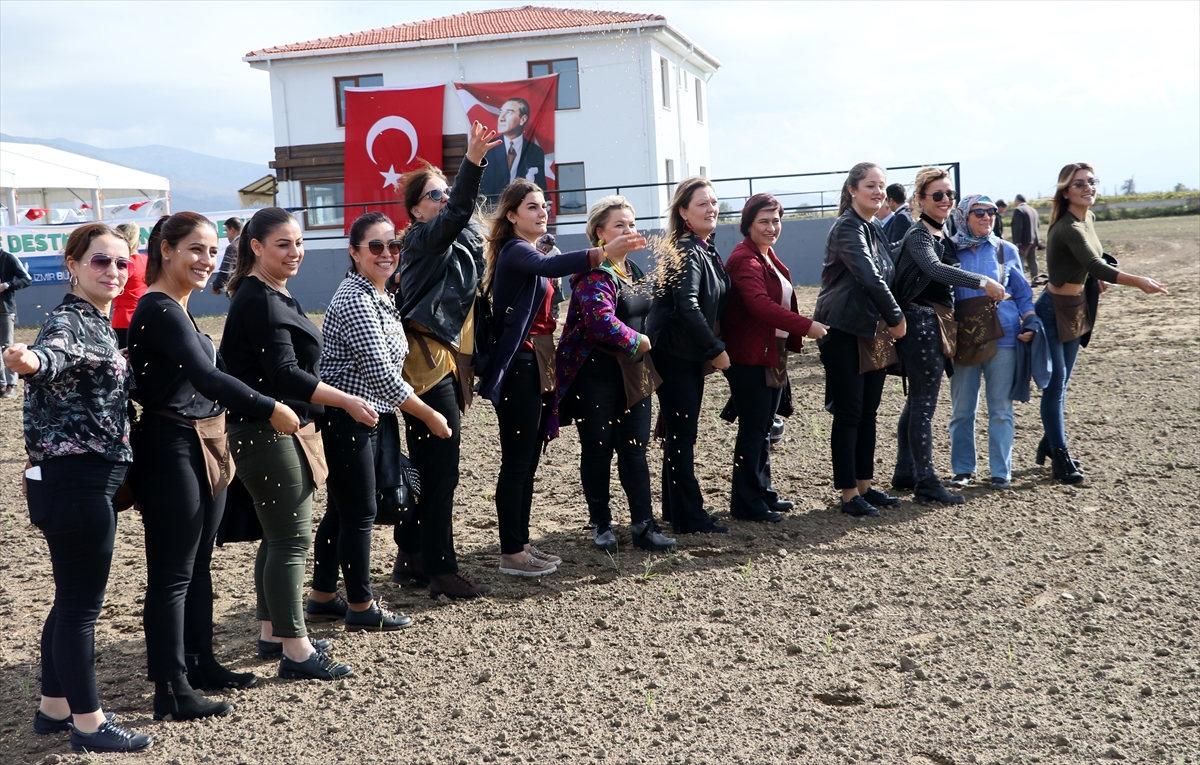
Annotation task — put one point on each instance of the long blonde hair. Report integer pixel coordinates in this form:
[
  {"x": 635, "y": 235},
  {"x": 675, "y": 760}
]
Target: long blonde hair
[
  {"x": 500, "y": 228},
  {"x": 1065, "y": 176},
  {"x": 925, "y": 176}
]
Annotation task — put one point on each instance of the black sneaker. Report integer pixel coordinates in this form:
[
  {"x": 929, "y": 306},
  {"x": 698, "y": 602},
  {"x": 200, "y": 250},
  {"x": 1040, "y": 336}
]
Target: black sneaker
[
  {"x": 649, "y": 536},
  {"x": 377, "y": 618},
  {"x": 44, "y": 725},
  {"x": 335, "y": 609},
  {"x": 318, "y": 666},
  {"x": 879, "y": 499},
  {"x": 110, "y": 737},
  {"x": 766, "y": 516},
  {"x": 268, "y": 650},
  {"x": 859, "y": 507}
]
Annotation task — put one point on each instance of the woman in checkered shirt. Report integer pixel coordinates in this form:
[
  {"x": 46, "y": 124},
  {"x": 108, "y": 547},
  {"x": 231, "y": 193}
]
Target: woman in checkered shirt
[{"x": 363, "y": 353}]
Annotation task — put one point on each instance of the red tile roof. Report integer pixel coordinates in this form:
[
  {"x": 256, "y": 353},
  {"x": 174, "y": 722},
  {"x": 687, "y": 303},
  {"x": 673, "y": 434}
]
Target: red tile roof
[{"x": 505, "y": 21}]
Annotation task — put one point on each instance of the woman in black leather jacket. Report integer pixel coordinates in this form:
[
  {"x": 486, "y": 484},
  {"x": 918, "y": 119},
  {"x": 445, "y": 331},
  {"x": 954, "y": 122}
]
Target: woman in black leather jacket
[
  {"x": 854, "y": 297},
  {"x": 440, "y": 266},
  {"x": 683, "y": 332}
]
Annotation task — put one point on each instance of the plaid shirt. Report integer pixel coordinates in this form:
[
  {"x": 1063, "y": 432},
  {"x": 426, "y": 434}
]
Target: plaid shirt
[{"x": 364, "y": 345}]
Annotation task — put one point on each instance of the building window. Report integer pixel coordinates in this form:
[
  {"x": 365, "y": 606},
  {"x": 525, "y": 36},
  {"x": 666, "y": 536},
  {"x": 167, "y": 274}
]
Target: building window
[
  {"x": 568, "y": 79},
  {"x": 670, "y": 171},
  {"x": 699, "y": 102},
  {"x": 317, "y": 194},
  {"x": 357, "y": 81},
  {"x": 570, "y": 176},
  {"x": 703, "y": 171},
  {"x": 664, "y": 69}
]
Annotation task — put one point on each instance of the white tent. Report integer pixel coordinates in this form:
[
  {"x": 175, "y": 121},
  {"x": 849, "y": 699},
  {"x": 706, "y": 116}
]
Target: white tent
[{"x": 69, "y": 186}]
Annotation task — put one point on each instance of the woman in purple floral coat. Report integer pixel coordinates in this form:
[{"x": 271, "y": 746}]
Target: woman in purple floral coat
[{"x": 605, "y": 379}]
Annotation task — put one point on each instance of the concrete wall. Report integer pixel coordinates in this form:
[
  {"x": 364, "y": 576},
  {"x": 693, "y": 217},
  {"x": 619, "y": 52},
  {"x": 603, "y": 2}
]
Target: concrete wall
[{"x": 801, "y": 248}]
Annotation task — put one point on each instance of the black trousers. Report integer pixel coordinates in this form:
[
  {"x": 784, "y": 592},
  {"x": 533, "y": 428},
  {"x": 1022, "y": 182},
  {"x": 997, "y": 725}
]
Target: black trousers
[
  {"x": 72, "y": 505},
  {"x": 431, "y": 532},
  {"x": 751, "y": 491},
  {"x": 597, "y": 401},
  {"x": 679, "y": 399},
  {"x": 921, "y": 351},
  {"x": 521, "y": 415},
  {"x": 855, "y": 398},
  {"x": 181, "y": 519},
  {"x": 343, "y": 539}
]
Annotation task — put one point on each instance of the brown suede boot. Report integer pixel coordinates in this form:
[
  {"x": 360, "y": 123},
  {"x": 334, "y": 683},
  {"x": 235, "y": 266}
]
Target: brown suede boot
[{"x": 456, "y": 587}]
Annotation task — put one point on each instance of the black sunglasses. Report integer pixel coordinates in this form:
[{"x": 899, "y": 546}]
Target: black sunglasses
[
  {"x": 376, "y": 246},
  {"x": 1093, "y": 182},
  {"x": 987, "y": 212},
  {"x": 100, "y": 263},
  {"x": 938, "y": 196},
  {"x": 437, "y": 195}
]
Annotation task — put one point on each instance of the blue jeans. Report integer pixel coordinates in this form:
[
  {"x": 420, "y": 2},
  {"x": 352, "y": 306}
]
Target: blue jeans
[
  {"x": 1062, "y": 359},
  {"x": 964, "y": 402}
]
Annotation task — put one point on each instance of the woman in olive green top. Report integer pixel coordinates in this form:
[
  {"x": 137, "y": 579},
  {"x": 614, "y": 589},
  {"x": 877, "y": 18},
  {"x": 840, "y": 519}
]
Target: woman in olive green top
[{"x": 1073, "y": 252}]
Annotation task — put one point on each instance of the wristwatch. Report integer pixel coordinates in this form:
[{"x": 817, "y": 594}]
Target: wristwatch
[{"x": 983, "y": 280}]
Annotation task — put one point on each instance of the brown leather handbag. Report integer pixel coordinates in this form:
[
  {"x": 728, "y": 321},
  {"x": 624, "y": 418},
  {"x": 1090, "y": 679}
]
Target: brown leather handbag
[
  {"x": 1071, "y": 316},
  {"x": 979, "y": 329},
  {"x": 879, "y": 352}
]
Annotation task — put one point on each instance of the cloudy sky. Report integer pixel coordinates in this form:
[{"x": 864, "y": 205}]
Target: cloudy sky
[{"x": 1012, "y": 90}]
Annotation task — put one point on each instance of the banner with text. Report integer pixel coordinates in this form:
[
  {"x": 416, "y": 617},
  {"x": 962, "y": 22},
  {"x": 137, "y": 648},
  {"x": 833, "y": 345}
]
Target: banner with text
[
  {"x": 388, "y": 132},
  {"x": 522, "y": 111}
]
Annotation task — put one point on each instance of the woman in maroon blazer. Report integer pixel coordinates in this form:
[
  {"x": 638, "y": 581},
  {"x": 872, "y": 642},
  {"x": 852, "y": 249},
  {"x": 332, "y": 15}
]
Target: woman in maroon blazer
[{"x": 760, "y": 326}]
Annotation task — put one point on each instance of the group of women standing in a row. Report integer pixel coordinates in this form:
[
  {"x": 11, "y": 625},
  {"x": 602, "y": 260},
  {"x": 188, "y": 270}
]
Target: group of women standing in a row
[{"x": 256, "y": 406}]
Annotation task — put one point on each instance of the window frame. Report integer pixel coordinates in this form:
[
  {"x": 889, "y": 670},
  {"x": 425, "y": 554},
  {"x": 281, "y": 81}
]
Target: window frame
[
  {"x": 669, "y": 169},
  {"x": 699, "y": 103},
  {"x": 337, "y": 92},
  {"x": 664, "y": 77},
  {"x": 558, "y": 167},
  {"x": 549, "y": 64},
  {"x": 304, "y": 203}
]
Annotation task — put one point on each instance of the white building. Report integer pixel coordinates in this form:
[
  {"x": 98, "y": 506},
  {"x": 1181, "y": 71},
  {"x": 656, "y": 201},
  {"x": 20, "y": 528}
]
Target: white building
[{"x": 632, "y": 96}]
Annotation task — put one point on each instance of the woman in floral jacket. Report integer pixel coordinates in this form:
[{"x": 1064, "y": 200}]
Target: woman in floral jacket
[{"x": 605, "y": 379}]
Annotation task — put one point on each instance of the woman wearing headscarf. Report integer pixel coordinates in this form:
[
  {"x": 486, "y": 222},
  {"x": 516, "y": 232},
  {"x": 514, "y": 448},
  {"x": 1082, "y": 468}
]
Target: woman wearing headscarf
[{"x": 983, "y": 252}]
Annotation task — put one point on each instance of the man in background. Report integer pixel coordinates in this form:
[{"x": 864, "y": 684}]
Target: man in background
[
  {"x": 233, "y": 232},
  {"x": 1025, "y": 235},
  {"x": 998, "y": 223},
  {"x": 517, "y": 156},
  {"x": 13, "y": 277},
  {"x": 896, "y": 225}
]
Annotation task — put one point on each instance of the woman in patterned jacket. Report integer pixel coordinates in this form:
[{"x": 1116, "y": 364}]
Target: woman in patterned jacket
[{"x": 604, "y": 380}]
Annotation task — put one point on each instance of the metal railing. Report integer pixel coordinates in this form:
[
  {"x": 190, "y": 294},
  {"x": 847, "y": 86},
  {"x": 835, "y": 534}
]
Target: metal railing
[{"x": 813, "y": 202}]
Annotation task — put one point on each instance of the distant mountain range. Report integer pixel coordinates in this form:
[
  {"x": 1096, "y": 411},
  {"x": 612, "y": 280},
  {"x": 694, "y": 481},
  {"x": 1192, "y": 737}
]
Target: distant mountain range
[{"x": 199, "y": 182}]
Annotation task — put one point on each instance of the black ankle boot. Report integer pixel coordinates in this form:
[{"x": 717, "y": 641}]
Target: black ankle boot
[
  {"x": 176, "y": 701},
  {"x": 204, "y": 673},
  {"x": 931, "y": 490},
  {"x": 1064, "y": 467},
  {"x": 1043, "y": 451}
]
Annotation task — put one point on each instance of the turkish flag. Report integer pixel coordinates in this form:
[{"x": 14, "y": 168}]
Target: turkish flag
[
  {"x": 482, "y": 101},
  {"x": 388, "y": 132}
]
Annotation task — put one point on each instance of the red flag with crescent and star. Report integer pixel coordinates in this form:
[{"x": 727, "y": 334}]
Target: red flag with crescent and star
[{"x": 388, "y": 132}]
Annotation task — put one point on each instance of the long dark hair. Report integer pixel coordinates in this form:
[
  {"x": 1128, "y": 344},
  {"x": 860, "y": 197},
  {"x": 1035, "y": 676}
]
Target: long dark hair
[
  {"x": 358, "y": 230},
  {"x": 170, "y": 229},
  {"x": 683, "y": 197},
  {"x": 857, "y": 173},
  {"x": 500, "y": 228},
  {"x": 258, "y": 228}
]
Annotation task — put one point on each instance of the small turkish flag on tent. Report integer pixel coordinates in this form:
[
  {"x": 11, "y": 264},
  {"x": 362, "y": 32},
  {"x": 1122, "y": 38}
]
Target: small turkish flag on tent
[
  {"x": 139, "y": 205},
  {"x": 388, "y": 132},
  {"x": 33, "y": 213}
]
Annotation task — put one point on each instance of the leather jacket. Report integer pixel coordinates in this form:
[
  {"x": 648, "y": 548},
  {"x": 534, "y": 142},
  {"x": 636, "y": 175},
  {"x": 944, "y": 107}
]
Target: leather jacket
[
  {"x": 683, "y": 319},
  {"x": 855, "y": 276},
  {"x": 441, "y": 261}
]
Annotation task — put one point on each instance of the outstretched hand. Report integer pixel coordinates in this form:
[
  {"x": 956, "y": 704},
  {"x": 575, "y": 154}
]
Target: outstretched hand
[
  {"x": 21, "y": 360},
  {"x": 479, "y": 141},
  {"x": 625, "y": 244}
]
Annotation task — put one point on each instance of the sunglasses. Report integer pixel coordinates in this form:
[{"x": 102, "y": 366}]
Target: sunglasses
[
  {"x": 437, "y": 195},
  {"x": 938, "y": 196},
  {"x": 376, "y": 246},
  {"x": 989, "y": 212},
  {"x": 1093, "y": 182},
  {"x": 100, "y": 263}
]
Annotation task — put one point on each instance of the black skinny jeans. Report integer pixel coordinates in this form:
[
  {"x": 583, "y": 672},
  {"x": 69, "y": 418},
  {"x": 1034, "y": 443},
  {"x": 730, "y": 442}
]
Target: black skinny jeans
[
  {"x": 855, "y": 398},
  {"x": 679, "y": 399},
  {"x": 431, "y": 532},
  {"x": 181, "y": 519},
  {"x": 751, "y": 491},
  {"x": 72, "y": 505},
  {"x": 521, "y": 415},
  {"x": 921, "y": 352},
  {"x": 343, "y": 538},
  {"x": 597, "y": 402}
]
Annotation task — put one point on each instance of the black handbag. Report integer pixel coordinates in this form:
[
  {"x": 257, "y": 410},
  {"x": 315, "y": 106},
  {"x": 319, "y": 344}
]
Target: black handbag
[{"x": 397, "y": 481}]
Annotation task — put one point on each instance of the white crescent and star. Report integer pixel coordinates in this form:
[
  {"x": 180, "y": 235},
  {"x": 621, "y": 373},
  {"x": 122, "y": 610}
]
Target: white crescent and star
[{"x": 393, "y": 122}]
